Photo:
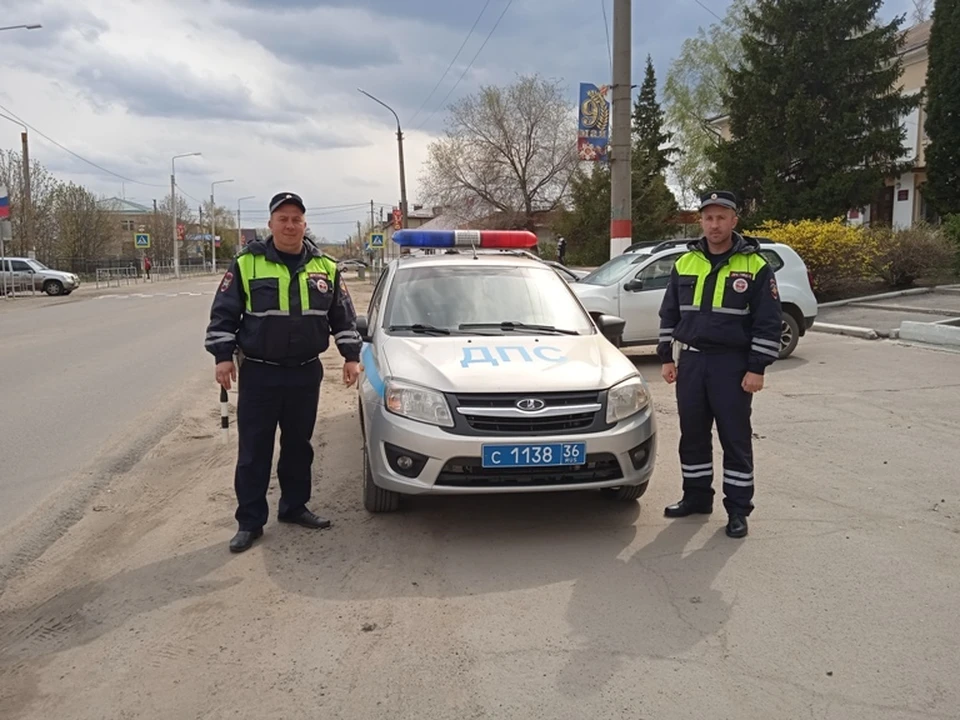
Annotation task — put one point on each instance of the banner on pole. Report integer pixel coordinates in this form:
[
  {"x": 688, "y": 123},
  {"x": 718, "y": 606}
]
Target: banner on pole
[
  {"x": 593, "y": 126},
  {"x": 4, "y": 204}
]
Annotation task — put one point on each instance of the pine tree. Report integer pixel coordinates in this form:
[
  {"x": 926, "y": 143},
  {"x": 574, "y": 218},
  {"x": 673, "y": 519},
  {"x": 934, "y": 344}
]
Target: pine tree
[
  {"x": 649, "y": 138},
  {"x": 586, "y": 226},
  {"x": 654, "y": 204},
  {"x": 943, "y": 109},
  {"x": 815, "y": 112}
]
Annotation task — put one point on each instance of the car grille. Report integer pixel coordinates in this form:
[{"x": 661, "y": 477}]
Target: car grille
[
  {"x": 469, "y": 472},
  {"x": 497, "y": 414}
]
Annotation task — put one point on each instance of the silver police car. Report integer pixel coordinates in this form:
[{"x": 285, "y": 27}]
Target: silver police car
[{"x": 482, "y": 373}]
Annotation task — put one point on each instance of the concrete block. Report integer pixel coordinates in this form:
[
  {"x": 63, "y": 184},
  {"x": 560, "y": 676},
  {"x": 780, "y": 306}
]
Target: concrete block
[
  {"x": 850, "y": 330},
  {"x": 931, "y": 333},
  {"x": 881, "y": 296}
]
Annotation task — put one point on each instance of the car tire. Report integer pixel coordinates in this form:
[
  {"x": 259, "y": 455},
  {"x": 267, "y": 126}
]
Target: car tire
[
  {"x": 789, "y": 335},
  {"x": 375, "y": 498},
  {"x": 627, "y": 492},
  {"x": 53, "y": 287}
]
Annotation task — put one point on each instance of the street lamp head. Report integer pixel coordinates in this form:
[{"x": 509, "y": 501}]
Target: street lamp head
[{"x": 34, "y": 27}]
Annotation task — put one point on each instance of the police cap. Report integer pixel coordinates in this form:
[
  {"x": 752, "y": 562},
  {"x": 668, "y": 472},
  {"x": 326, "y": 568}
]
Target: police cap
[
  {"x": 285, "y": 198},
  {"x": 724, "y": 198}
]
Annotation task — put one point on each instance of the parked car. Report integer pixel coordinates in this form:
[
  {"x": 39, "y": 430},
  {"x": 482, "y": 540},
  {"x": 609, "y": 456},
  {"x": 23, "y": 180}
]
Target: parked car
[
  {"x": 26, "y": 274},
  {"x": 481, "y": 373},
  {"x": 632, "y": 285}
]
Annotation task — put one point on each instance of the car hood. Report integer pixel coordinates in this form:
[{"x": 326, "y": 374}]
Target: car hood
[{"x": 510, "y": 363}]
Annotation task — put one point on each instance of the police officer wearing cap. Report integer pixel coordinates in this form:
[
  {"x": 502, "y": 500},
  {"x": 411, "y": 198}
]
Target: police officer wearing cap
[
  {"x": 277, "y": 307},
  {"x": 722, "y": 308}
]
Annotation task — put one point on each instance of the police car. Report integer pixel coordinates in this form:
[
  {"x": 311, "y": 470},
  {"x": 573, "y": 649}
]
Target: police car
[{"x": 482, "y": 373}]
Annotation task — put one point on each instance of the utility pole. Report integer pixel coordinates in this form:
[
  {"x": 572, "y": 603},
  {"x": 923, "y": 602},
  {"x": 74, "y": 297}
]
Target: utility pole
[
  {"x": 403, "y": 171},
  {"x": 173, "y": 214},
  {"x": 621, "y": 216},
  {"x": 200, "y": 233},
  {"x": 372, "y": 228},
  {"x": 27, "y": 200}
]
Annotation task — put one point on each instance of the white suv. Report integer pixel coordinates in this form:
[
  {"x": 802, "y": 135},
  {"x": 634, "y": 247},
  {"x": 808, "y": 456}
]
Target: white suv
[{"x": 631, "y": 286}]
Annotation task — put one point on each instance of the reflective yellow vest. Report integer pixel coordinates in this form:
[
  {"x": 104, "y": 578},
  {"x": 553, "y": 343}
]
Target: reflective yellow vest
[
  {"x": 321, "y": 271},
  {"x": 734, "y": 278}
]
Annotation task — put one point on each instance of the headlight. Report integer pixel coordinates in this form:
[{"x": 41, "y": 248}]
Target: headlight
[
  {"x": 626, "y": 399},
  {"x": 417, "y": 403}
]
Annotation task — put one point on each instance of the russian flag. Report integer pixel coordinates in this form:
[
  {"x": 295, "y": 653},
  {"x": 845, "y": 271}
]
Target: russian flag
[{"x": 4, "y": 204}]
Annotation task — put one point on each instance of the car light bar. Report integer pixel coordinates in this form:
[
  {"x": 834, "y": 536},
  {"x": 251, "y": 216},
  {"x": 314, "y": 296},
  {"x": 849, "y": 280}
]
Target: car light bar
[{"x": 485, "y": 239}]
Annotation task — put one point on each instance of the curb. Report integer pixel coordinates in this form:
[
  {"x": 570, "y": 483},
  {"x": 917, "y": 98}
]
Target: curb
[
  {"x": 849, "y": 330},
  {"x": 930, "y": 333},
  {"x": 881, "y": 296}
]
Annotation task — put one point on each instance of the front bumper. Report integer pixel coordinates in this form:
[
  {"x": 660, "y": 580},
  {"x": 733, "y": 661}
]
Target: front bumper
[{"x": 448, "y": 464}]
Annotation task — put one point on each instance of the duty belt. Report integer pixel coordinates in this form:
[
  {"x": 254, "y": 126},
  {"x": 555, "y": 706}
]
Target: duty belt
[{"x": 290, "y": 364}]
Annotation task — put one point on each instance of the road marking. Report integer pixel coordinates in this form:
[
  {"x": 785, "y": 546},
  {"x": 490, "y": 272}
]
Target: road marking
[{"x": 185, "y": 293}]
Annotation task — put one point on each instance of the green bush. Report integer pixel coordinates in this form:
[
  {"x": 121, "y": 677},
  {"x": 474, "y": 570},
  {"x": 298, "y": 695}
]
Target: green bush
[
  {"x": 904, "y": 255},
  {"x": 951, "y": 229}
]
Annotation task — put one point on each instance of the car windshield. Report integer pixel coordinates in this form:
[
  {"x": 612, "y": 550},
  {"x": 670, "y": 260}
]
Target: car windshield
[
  {"x": 37, "y": 265},
  {"x": 610, "y": 271},
  {"x": 484, "y": 300}
]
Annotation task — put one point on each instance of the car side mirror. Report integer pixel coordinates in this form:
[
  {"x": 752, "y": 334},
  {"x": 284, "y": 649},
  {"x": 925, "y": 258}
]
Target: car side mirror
[
  {"x": 634, "y": 285},
  {"x": 611, "y": 326},
  {"x": 362, "y": 328}
]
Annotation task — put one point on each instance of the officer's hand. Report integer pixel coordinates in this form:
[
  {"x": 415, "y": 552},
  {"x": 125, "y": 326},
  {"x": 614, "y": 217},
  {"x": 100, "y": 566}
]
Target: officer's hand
[
  {"x": 669, "y": 372},
  {"x": 351, "y": 371},
  {"x": 752, "y": 382},
  {"x": 226, "y": 371}
]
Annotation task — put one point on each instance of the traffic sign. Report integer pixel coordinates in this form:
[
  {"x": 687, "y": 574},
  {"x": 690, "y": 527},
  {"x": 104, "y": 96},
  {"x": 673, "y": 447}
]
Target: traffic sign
[
  {"x": 181, "y": 231},
  {"x": 141, "y": 240},
  {"x": 376, "y": 240}
]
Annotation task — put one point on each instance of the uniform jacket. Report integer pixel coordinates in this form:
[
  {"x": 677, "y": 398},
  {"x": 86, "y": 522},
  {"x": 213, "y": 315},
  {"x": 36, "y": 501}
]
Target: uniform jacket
[
  {"x": 249, "y": 312},
  {"x": 734, "y": 306}
]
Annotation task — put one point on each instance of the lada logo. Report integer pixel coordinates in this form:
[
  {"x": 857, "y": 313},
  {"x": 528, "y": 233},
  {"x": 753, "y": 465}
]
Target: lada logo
[{"x": 530, "y": 404}]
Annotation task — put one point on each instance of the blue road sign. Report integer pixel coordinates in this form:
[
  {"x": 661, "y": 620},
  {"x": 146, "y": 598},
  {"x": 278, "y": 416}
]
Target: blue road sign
[
  {"x": 376, "y": 240},
  {"x": 141, "y": 240}
]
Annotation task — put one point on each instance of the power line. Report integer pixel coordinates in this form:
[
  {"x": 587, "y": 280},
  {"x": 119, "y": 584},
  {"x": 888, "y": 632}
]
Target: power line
[
  {"x": 463, "y": 74},
  {"x": 708, "y": 10},
  {"x": 462, "y": 46},
  {"x": 79, "y": 157}
]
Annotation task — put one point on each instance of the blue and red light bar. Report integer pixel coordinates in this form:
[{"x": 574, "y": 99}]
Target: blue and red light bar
[{"x": 482, "y": 239}]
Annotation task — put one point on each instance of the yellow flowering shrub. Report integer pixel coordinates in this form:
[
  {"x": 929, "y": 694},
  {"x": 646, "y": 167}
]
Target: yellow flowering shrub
[{"x": 836, "y": 254}]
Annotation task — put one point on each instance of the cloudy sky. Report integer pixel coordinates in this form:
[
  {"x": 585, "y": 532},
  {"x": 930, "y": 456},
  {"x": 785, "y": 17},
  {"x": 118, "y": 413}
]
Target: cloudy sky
[{"x": 266, "y": 90}]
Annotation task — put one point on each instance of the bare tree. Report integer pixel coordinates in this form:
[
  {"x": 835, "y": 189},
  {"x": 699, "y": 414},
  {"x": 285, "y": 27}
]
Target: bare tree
[
  {"x": 85, "y": 230},
  {"x": 508, "y": 149},
  {"x": 43, "y": 185},
  {"x": 921, "y": 10}
]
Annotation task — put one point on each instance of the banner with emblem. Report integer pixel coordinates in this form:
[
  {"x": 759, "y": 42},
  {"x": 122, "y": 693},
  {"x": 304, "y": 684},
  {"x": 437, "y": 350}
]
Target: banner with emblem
[{"x": 593, "y": 125}]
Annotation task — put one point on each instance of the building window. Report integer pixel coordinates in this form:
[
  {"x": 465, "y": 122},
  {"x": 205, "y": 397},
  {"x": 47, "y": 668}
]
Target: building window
[{"x": 127, "y": 225}]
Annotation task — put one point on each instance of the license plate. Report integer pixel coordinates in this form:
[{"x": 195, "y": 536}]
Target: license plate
[{"x": 534, "y": 455}]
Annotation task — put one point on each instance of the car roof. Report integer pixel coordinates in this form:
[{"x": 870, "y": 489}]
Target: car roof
[{"x": 464, "y": 256}]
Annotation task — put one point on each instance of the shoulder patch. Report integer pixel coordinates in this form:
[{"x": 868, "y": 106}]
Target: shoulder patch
[
  {"x": 226, "y": 282},
  {"x": 774, "y": 290}
]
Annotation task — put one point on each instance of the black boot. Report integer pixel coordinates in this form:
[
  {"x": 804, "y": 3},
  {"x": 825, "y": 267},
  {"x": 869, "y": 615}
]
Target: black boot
[
  {"x": 244, "y": 539},
  {"x": 737, "y": 526},
  {"x": 686, "y": 507},
  {"x": 306, "y": 519}
]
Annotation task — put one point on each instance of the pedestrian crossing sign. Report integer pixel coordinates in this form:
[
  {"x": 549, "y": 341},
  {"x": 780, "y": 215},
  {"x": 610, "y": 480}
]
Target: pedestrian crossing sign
[
  {"x": 376, "y": 240},
  {"x": 141, "y": 240}
]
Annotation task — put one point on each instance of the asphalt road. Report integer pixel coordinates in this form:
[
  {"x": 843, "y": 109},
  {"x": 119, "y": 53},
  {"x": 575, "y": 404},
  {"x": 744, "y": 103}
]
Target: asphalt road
[{"x": 83, "y": 376}]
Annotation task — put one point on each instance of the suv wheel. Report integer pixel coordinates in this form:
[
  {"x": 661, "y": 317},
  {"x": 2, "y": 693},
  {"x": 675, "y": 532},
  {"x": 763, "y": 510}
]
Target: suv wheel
[
  {"x": 53, "y": 287},
  {"x": 375, "y": 498},
  {"x": 789, "y": 335}
]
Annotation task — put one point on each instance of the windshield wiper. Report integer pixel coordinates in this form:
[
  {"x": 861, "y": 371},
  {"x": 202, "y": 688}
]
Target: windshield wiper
[
  {"x": 510, "y": 325},
  {"x": 420, "y": 328}
]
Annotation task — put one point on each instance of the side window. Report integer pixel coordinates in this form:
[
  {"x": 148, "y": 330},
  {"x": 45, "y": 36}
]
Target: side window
[
  {"x": 373, "y": 312},
  {"x": 21, "y": 266},
  {"x": 656, "y": 275},
  {"x": 776, "y": 262}
]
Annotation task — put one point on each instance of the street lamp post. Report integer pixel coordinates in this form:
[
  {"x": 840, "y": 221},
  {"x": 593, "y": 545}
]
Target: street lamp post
[
  {"x": 173, "y": 209},
  {"x": 213, "y": 225},
  {"x": 239, "y": 231},
  {"x": 27, "y": 238},
  {"x": 33, "y": 26},
  {"x": 403, "y": 172}
]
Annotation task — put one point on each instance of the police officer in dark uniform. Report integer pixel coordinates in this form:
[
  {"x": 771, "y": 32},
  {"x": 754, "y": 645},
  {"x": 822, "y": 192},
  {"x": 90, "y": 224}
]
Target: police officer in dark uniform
[
  {"x": 722, "y": 308},
  {"x": 277, "y": 306}
]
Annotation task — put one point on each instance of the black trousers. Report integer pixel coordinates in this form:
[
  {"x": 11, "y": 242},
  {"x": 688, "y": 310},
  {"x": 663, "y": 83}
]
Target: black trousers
[
  {"x": 709, "y": 390},
  {"x": 270, "y": 397}
]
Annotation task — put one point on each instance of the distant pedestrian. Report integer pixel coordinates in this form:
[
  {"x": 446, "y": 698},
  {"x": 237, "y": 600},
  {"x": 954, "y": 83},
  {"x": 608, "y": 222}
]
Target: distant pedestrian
[
  {"x": 722, "y": 307},
  {"x": 279, "y": 303},
  {"x": 562, "y": 251},
  {"x": 146, "y": 266}
]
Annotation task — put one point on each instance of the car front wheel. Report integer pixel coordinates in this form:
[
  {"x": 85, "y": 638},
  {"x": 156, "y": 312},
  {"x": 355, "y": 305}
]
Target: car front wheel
[
  {"x": 627, "y": 492},
  {"x": 53, "y": 287},
  {"x": 789, "y": 335},
  {"x": 375, "y": 498}
]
